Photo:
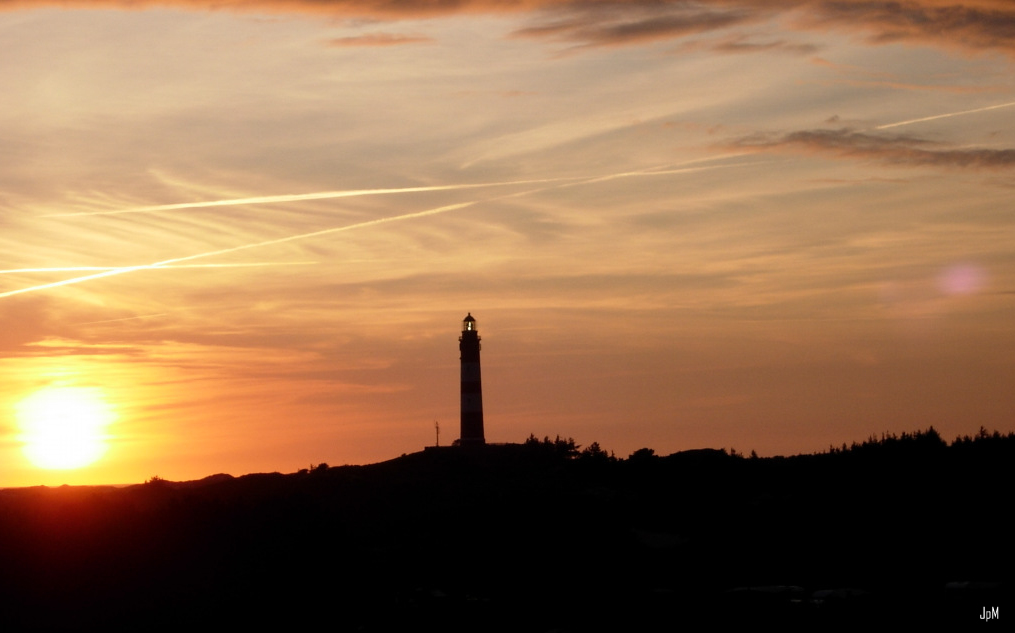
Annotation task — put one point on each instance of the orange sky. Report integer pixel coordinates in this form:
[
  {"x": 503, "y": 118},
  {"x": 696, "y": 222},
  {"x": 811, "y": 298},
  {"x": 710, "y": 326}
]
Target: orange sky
[{"x": 679, "y": 225}]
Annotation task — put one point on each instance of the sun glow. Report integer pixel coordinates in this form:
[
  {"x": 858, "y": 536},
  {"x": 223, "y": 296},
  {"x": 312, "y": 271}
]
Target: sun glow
[{"x": 64, "y": 427}]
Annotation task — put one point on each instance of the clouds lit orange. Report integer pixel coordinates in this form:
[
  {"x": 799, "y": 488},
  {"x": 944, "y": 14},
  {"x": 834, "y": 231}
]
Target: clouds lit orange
[{"x": 241, "y": 237}]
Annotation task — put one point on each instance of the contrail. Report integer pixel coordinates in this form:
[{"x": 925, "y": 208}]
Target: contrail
[
  {"x": 170, "y": 262},
  {"x": 352, "y": 193},
  {"x": 81, "y": 269},
  {"x": 143, "y": 316},
  {"x": 945, "y": 116},
  {"x": 660, "y": 171},
  {"x": 300, "y": 197},
  {"x": 173, "y": 263},
  {"x": 75, "y": 280}
]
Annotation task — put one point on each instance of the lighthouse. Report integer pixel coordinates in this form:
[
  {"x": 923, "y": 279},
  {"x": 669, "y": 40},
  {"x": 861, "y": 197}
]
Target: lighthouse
[{"x": 472, "y": 386}]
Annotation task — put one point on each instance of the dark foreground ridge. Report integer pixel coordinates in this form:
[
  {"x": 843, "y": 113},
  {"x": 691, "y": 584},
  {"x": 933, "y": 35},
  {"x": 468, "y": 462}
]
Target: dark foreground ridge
[{"x": 533, "y": 537}]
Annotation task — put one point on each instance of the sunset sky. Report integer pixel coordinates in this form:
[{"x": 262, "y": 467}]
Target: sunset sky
[{"x": 251, "y": 229}]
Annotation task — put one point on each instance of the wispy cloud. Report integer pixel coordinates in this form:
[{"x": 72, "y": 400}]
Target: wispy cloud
[
  {"x": 617, "y": 24},
  {"x": 893, "y": 149},
  {"x": 177, "y": 262},
  {"x": 224, "y": 251},
  {"x": 976, "y": 24},
  {"x": 738, "y": 44},
  {"x": 378, "y": 39},
  {"x": 971, "y": 24}
]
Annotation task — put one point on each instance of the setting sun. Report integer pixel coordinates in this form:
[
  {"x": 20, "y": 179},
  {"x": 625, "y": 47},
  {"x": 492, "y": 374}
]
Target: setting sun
[{"x": 64, "y": 427}]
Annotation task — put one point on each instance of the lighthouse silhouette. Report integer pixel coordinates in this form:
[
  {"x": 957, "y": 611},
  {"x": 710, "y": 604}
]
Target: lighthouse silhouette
[{"x": 472, "y": 385}]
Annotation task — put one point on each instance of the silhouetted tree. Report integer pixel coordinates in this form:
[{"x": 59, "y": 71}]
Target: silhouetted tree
[
  {"x": 559, "y": 447},
  {"x": 566, "y": 448},
  {"x": 593, "y": 452},
  {"x": 642, "y": 455}
]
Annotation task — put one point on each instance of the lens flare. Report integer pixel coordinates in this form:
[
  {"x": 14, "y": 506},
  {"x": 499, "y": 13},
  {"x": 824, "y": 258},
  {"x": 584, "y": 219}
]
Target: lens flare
[{"x": 962, "y": 279}]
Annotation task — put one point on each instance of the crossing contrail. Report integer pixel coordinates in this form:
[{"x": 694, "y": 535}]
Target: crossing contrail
[
  {"x": 945, "y": 116},
  {"x": 170, "y": 262},
  {"x": 81, "y": 269},
  {"x": 352, "y": 193},
  {"x": 301, "y": 197},
  {"x": 77, "y": 280},
  {"x": 176, "y": 262}
]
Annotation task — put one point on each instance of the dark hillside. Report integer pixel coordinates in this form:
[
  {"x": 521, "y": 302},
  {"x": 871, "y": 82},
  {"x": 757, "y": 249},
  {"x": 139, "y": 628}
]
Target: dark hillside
[{"x": 535, "y": 537}]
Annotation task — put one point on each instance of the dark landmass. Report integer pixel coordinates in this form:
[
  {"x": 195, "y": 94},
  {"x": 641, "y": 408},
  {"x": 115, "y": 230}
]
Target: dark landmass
[{"x": 539, "y": 536}]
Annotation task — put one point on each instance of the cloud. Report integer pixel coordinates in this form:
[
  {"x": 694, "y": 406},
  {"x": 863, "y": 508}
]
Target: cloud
[
  {"x": 892, "y": 149},
  {"x": 111, "y": 272},
  {"x": 973, "y": 25},
  {"x": 737, "y": 44},
  {"x": 376, "y": 9},
  {"x": 378, "y": 39},
  {"x": 103, "y": 272},
  {"x": 617, "y": 24}
]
